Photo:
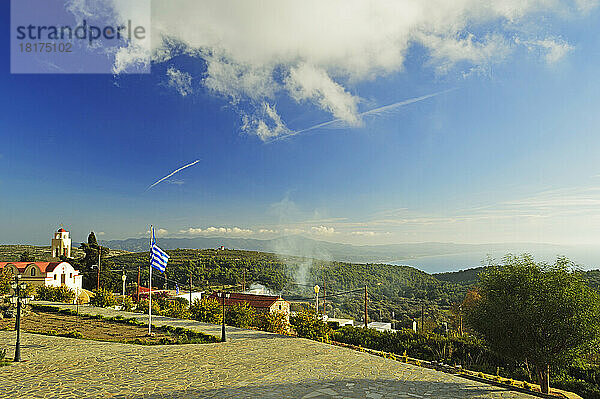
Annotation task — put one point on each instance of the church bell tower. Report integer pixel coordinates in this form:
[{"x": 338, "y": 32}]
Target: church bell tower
[{"x": 61, "y": 244}]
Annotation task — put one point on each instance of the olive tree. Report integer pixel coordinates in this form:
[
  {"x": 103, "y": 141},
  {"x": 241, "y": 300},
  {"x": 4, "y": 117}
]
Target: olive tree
[{"x": 535, "y": 312}]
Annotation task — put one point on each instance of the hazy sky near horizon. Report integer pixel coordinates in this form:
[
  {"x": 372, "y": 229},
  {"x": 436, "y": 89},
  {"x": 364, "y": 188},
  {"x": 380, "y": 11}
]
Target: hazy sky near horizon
[{"x": 505, "y": 151}]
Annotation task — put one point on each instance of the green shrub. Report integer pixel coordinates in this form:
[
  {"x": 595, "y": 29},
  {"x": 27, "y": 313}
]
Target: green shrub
[
  {"x": 176, "y": 309},
  {"x": 582, "y": 388},
  {"x": 275, "y": 322},
  {"x": 466, "y": 351},
  {"x": 55, "y": 294},
  {"x": 73, "y": 334},
  {"x": 103, "y": 298},
  {"x": 207, "y": 310},
  {"x": 126, "y": 303},
  {"x": 240, "y": 315},
  {"x": 307, "y": 324},
  {"x": 142, "y": 306}
]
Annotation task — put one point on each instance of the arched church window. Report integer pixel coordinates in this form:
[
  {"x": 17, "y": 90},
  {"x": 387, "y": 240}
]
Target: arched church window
[{"x": 33, "y": 271}]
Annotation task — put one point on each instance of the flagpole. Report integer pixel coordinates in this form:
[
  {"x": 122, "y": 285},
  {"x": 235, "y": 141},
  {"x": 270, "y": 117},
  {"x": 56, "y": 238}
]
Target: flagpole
[{"x": 150, "y": 285}]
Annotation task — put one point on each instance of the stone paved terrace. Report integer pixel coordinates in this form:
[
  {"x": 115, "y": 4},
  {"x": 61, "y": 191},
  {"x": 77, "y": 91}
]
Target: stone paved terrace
[
  {"x": 231, "y": 333},
  {"x": 250, "y": 365}
]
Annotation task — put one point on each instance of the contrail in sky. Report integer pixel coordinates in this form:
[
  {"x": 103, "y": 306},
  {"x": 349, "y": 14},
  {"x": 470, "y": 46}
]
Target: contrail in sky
[
  {"x": 172, "y": 173},
  {"x": 374, "y": 111}
]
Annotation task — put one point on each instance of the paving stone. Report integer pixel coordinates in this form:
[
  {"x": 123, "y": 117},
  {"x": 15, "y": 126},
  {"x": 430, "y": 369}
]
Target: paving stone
[{"x": 252, "y": 364}]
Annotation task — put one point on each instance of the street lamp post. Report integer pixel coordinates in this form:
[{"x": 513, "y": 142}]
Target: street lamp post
[
  {"x": 317, "y": 288},
  {"x": 18, "y": 286},
  {"x": 124, "y": 277},
  {"x": 223, "y": 295}
]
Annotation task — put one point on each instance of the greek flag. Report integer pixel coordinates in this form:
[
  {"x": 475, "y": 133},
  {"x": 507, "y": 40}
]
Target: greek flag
[{"x": 158, "y": 258}]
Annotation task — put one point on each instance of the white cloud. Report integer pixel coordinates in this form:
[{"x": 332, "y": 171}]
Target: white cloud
[
  {"x": 180, "y": 81},
  {"x": 318, "y": 50},
  {"x": 364, "y": 233},
  {"x": 447, "y": 51},
  {"x": 322, "y": 230},
  {"x": 100, "y": 233},
  {"x": 551, "y": 49},
  {"x": 237, "y": 81},
  {"x": 293, "y": 230},
  {"x": 267, "y": 231},
  {"x": 232, "y": 231},
  {"x": 306, "y": 82},
  {"x": 158, "y": 232},
  {"x": 268, "y": 126},
  {"x": 555, "y": 50}
]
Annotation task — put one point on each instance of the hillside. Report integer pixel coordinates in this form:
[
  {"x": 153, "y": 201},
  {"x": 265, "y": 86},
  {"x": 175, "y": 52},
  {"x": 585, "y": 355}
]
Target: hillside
[
  {"x": 302, "y": 246},
  {"x": 11, "y": 253},
  {"x": 398, "y": 289},
  {"x": 467, "y": 277}
]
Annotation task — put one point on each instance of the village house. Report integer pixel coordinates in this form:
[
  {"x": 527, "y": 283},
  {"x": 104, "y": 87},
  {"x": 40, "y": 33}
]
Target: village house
[
  {"x": 53, "y": 274},
  {"x": 262, "y": 303}
]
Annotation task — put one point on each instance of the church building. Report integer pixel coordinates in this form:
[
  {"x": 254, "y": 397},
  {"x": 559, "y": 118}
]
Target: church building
[
  {"x": 61, "y": 244},
  {"x": 54, "y": 273}
]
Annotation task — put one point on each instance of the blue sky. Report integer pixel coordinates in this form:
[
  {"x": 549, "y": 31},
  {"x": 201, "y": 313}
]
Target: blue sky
[{"x": 508, "y": 155}]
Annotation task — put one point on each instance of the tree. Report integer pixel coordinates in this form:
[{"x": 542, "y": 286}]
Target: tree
[
  {"x": 6, "y": 277},
  {"x": 207, "y": 310},
  {"x": 26, "y": 256},
  {"x": 54, "y": 294},
  {"x": 176, "y": 308},
  {"x": 307, "y": 324},
  {"x": 275, "y": 322},
  {"x": 240, "y": 315},
  {"x": 92, "y": 239},
  {"x": 543, "y": 314},
  {"x": 103, "y": 298},
  {"x": 85, "y": 265}
]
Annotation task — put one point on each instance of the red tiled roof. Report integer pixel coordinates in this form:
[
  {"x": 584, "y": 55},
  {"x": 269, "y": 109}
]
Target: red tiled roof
[
  {"x": 256, "y": 301},
  {"x": 44, "y": 267}
]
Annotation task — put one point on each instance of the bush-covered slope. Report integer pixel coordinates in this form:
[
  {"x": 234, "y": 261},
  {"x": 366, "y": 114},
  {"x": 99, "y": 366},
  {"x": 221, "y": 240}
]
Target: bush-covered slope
[{"x": 398, "y": 289}]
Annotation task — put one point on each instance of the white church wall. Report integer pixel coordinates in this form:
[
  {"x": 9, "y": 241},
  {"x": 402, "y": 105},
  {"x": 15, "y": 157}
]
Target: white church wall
[{"x": 65, "y": 274}]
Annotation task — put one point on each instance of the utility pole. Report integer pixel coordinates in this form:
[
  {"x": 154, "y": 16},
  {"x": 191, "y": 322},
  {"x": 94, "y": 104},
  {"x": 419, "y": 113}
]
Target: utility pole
[
  {"x": 138, "y": 282},
  {"x": 99, "y": 255},
  {"x": 190, "y": 289},
  {"x": 366, "y": 314},
  {"x": 422, "y": 318},
  {"x": 324, "y": 296},
  {"x": 244, "y": 281},
  {"x": 460, "y": 318}
]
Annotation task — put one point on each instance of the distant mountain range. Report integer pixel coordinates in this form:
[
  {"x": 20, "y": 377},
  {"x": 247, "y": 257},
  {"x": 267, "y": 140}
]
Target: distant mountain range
[{"x": 429, "y": 256}]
